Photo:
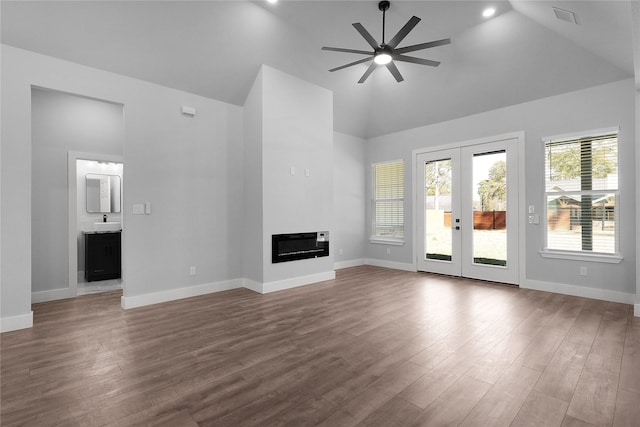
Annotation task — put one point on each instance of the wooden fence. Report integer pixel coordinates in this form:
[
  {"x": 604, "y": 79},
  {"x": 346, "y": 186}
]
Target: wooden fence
[{"x": 491, "y": 220}]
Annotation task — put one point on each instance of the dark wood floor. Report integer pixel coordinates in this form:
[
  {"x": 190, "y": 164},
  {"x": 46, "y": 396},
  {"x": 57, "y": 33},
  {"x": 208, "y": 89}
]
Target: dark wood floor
[{"x": 375, "y": 347}]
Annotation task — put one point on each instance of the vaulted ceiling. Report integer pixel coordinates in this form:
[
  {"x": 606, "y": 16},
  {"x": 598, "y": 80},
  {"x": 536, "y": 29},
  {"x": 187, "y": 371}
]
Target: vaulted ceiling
[{"x": 215, "y": 49}]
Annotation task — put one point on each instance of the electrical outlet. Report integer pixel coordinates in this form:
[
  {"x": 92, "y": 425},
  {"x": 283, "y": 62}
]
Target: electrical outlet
[
  {"x": 583, "y": 270},
  {"x": 192, "y": 270}
]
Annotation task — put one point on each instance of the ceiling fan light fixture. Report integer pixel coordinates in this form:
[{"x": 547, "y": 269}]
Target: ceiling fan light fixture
[
  {"x": 382, "y": 58},
  {"x": 386, "y": 53}
]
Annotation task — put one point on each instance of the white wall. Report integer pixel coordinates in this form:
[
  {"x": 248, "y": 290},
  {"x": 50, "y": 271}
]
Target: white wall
[
  {"x": 288, "y": 126},
  {"x": 61, "y": 123},
  {"x": 637, "y": 302},
  {"x": 349, "y": 199},
  {"x": 86, "y": 220},
  {"x": 252, "y": 232},
  {"x": 598, "y": 107},
  {"x": 297, "y": 132},
  {"x": 189, "y": 168}
]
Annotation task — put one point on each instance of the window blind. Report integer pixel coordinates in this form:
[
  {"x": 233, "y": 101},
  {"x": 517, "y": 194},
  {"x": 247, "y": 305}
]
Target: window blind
[
  {"x": 581, "y": 194},
  {"x": 388, "y": 199}
]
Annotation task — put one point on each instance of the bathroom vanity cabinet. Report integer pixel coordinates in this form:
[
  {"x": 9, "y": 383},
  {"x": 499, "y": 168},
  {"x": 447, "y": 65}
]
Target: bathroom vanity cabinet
[{"x": 102, "y": 256}]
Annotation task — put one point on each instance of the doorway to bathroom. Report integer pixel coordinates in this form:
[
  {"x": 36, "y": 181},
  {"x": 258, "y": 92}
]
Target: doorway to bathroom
[
  {"x": 65, "y": 127},
  {"x": 98, "y": 223}
]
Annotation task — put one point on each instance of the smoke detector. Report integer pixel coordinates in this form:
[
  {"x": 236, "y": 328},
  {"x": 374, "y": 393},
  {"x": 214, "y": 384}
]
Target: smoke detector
[{"x": 565, "y": 15}]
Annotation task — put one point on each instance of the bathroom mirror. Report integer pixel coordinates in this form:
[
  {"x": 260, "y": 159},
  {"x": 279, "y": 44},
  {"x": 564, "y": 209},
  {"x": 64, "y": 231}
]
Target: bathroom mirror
[{"x": 103, "y": 193}]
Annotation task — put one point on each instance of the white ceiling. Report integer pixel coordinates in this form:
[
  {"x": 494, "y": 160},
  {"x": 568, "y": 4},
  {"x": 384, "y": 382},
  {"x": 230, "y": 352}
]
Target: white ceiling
[{"x": 215, "y": 48}]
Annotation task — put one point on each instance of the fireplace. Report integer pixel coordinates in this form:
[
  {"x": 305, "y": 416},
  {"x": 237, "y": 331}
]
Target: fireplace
[{"x": 295, "y": 246}]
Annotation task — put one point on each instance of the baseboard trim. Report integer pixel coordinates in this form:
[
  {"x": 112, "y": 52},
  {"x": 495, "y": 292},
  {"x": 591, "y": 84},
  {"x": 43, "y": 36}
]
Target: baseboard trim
[
  {"x": 128, "y": 302},
  {"x": 350, "y": 263},
  {"x": 252, "y": 285},
  {"x": 50, "y": 295},
  {"x": 294, "y": 282},
  {"x": 14, "y": 323},
  {"x": 390, "y": 264},
  {"x": 581, "y": 291}
]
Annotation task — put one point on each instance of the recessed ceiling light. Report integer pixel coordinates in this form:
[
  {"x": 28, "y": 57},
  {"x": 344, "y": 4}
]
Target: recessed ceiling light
[{"x": 489, "y": 12}]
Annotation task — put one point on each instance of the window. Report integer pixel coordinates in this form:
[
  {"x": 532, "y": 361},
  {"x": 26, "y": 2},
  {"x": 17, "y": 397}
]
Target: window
[
  {"x": 581, "y": 194},
  {"x": 388, "y": 202}
]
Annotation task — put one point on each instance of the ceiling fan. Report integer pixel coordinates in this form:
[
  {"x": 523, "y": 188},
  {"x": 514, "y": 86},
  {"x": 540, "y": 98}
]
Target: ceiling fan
[{"x": 387, "y": 53}]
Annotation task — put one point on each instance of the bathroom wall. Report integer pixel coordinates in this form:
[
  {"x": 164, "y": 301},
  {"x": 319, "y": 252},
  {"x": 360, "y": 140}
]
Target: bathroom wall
[
  {"x": 86, "y": 220},
  {"x": 62, "y": 122}
]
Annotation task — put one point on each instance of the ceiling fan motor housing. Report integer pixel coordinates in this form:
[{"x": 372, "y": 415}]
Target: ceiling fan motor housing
[
  {"x": 384, "y": 5},
  {"x": 384, "y": 49}
]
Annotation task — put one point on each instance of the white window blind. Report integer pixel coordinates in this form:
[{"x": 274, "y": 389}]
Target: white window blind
[
  {"x": 388, "y": 200},
  {"x": 581, "y": 194}
]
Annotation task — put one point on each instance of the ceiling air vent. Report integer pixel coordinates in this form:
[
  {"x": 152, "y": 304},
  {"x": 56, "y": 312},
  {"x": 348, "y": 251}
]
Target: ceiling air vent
[{"x": 565, "y": 15}]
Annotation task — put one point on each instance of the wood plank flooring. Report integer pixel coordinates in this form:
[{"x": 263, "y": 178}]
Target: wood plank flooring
[{"x": 374, "y": 347}]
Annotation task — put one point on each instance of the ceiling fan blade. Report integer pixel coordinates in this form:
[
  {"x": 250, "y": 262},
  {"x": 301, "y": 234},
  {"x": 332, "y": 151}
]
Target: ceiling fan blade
[
  {"x": 414, "y": 60},
  {"x": 350, "y": 64},
  {"x": 394, "y": 70},
  {"x": 421, "y": 46},
  {"x": 368, "y": 72},
  {"x": 339, "y": 49},
  {"x": 403, "y": 32},
  {"x": 364, "y": 33}
]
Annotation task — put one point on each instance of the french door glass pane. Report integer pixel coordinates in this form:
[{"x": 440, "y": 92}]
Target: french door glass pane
[
  {"x": 490, "y": 208},
  {"x": 437, "y": 193}
]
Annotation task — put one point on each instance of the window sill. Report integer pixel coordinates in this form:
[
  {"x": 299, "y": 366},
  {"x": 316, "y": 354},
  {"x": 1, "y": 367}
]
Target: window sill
[
  {"x": 610, "y": 259},
  {"x": 380, "y": 240}
]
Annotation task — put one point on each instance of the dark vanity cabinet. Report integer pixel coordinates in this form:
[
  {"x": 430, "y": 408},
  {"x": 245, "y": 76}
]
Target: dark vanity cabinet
[{"x": 102, "y": 256}]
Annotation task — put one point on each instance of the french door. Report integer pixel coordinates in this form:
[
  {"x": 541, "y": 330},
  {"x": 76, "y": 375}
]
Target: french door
[{"x": 467, "y": 211}]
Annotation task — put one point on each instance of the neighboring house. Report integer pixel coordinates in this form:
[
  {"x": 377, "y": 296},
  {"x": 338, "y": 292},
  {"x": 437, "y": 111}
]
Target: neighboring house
[{"x": 565, "y": 213}]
